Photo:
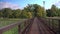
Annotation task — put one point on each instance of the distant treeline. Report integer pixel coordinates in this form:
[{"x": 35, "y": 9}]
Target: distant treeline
[
  {"x": 32, "y": 10},
  {"x": 53, "y": 12}
]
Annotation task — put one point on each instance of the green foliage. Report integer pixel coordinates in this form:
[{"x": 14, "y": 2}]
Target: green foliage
[
  {"x": 36, "y": 9},
  {"x": 26, "y": 14},
  {"x": 49, "y": 12},
  {"x": 7, "y": 12},
  {"x": 32, "y": 10},
  {"x": 12, "y": 31},
  {"x": 53, "y": 9},
  {"x": 16, "y": 13},
  {"x": 1, "y": 14},
  {"x": 53, "y": 12},
  {"x": 59, "y": 12}
]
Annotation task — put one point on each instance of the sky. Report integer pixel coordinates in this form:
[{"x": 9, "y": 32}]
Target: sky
[{"x": 20, "y": 4}]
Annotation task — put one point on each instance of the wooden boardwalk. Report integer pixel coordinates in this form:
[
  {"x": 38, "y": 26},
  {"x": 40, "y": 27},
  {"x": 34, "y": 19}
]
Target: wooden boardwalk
[
  {"x": 31, "y": 26},
  {"x": 39, "y": 28},
  {"x": 34, "y": 28}
]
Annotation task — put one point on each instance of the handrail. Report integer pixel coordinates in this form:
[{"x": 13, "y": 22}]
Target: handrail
[
  {"x": 58, "y": 18},
  {"x": 8, "y": 27},
  {"x": 5, "y": 28},
  {"x": 51, "y": 25}
]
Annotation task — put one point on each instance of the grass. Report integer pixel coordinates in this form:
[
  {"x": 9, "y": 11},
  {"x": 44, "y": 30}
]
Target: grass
[
  {"x": 12, "y": 31},
  {"x": 5, "y": 22}
]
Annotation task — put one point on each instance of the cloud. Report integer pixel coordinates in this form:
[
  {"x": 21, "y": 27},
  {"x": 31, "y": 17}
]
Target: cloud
[
  {"x": 8, "y": 5},
  {"x": 58, "y": 4}
]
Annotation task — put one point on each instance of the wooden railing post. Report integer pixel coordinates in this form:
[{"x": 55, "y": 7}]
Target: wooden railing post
[
  {"x": 25, "y": 23},
  {"x": 19, "y": 29},
  {"x": 49, "y": 23},
  {"x": 0, "y": 32},
  {"x": 53, "y": 24},
  {"x": 59, "y": 27}
]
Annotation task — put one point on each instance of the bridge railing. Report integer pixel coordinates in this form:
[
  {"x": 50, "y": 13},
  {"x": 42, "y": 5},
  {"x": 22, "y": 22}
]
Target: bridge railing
[
  {"x": 53, "y": 23},
  {"x": 22, "y": 27}
]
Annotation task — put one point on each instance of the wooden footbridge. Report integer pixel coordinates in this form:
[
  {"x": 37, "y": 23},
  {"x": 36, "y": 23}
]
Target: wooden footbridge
[{"x": 36, "y": 26}]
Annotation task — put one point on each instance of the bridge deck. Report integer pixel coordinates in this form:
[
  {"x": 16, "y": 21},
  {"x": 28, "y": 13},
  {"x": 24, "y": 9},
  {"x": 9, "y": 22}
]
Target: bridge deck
[
  {"x": 39, "y": 28},
  {"x": 34, "y": 29}
]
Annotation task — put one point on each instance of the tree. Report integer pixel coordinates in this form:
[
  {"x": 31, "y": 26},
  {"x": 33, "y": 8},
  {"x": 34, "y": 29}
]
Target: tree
[
  {"x": 37, "y": 10},
  {"x": 7, "y": 12},
  {"x": 49, "y": 12},
  {"x": 26, "y": 13},
  {"x": 1, "y": 13},
  {"x": 32, "y": 10},
  {"x": 54, "y": 11},
  {"x": 17, "y": 13},
  {"x": 58, "y": 11}
]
